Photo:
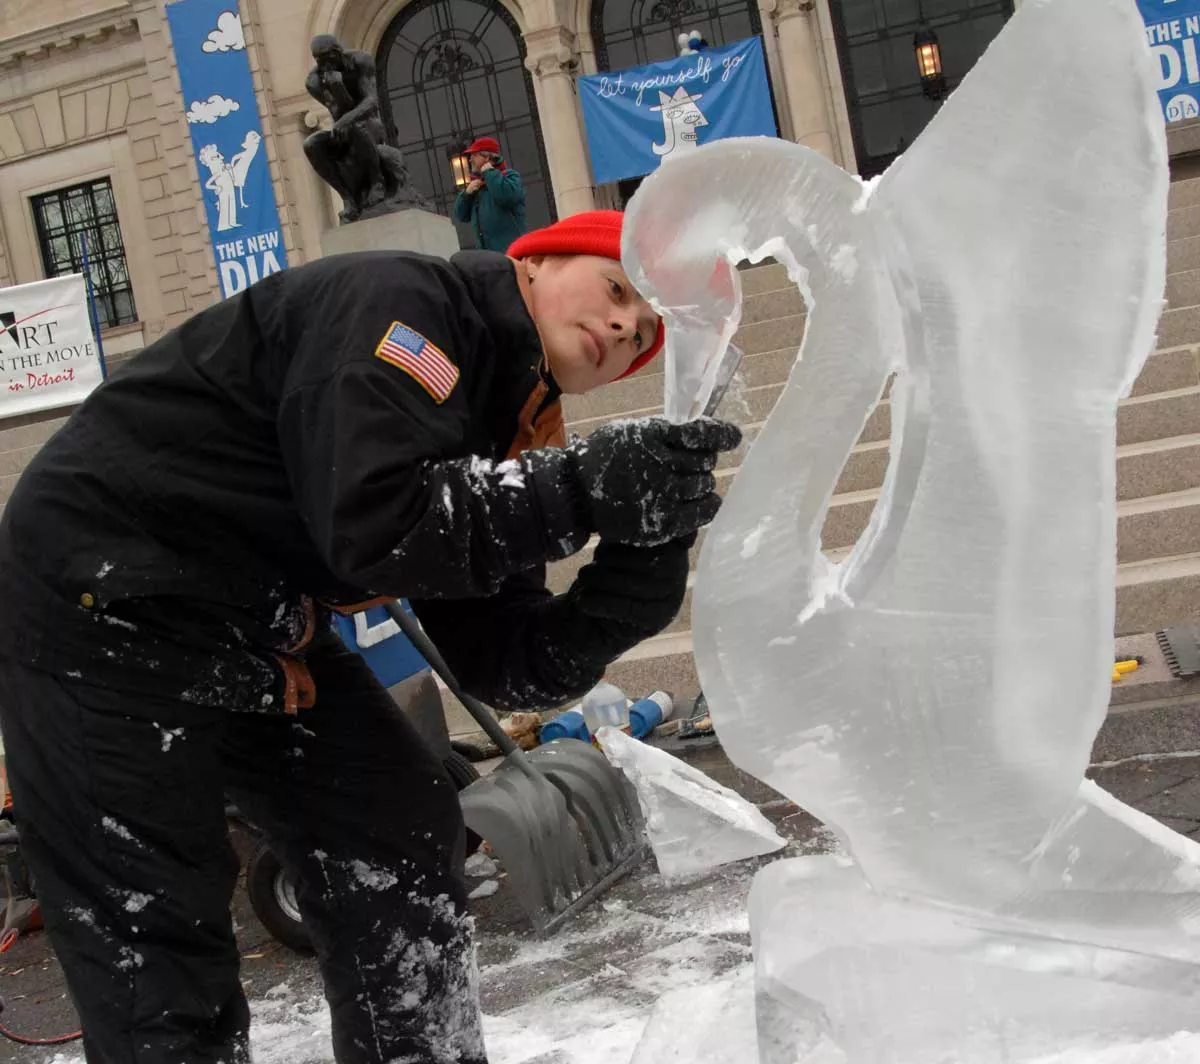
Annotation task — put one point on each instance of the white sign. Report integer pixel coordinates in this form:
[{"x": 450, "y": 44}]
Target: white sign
[{"x": 48, "y": 355}]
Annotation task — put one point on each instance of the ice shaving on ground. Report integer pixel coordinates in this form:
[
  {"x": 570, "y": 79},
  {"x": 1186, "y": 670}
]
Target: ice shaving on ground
[{"x": 693, "y": 823}]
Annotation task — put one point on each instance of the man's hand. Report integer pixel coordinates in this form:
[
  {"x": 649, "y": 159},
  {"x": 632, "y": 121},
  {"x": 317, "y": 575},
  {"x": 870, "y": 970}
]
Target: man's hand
[
  {"x": 486, "y": 167},
  {"x": 474, "y": 185},
  {"x": 647, "y": 481}
]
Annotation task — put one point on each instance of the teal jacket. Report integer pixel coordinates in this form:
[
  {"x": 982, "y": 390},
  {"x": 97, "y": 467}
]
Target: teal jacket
[{"x": 496, "y": 212}]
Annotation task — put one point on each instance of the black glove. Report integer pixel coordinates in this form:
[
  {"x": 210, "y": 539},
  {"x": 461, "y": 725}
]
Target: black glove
[
  {"x": 647, "y": 481},
  {"x": 631, "y": 593}
]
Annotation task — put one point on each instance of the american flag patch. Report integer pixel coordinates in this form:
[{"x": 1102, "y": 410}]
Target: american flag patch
[{"x": 408, "y": 350}]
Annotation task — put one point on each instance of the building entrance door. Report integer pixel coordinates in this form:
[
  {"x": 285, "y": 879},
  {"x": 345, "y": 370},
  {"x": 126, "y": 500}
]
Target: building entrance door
[{"x": 453, "y": 70}]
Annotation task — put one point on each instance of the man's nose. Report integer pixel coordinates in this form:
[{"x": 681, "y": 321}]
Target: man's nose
[{"x": 623, "y": 321}]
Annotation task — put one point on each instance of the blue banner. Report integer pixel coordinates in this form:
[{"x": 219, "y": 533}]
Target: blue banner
[
  {"x": 1172, "y": 28},
  {"x": 222, "y": 115},
  {"x": 637, "y": 118}
]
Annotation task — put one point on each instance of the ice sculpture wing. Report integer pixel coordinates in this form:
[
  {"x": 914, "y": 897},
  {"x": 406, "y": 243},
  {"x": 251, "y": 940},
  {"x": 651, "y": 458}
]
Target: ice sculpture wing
[{"x": 935, "y": 696}]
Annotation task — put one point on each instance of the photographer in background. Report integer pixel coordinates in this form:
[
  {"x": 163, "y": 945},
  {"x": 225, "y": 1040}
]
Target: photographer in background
[{"x": 493, "y": 203}]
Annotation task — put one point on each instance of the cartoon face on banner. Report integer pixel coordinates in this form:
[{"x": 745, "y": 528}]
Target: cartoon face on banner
[
  {"x": 222, "y": 116},
  {"x": 639, "y": 117},
  {"x": 682, "y": 118},
  {"x": 1172, "y": 28}
]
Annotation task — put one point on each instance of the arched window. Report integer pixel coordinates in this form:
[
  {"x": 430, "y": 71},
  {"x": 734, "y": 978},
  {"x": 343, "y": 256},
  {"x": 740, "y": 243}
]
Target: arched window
[
  {"x": 630, "y": 33},
  {"x": 450, "y": 70}
]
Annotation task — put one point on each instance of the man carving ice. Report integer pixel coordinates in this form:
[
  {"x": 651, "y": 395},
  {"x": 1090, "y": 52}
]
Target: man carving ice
[{"x": 366, "y": 425}]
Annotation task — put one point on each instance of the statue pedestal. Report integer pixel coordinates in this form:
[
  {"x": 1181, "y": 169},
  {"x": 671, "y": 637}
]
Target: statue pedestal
[{"x": 411, "y": 229}]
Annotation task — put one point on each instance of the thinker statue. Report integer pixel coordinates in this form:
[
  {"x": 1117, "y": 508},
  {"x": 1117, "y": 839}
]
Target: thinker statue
[{"x": 354, "y": 156}]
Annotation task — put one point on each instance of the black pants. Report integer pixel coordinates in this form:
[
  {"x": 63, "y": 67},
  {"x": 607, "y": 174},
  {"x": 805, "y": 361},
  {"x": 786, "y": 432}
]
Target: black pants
[{"x": 120, "y": 803}]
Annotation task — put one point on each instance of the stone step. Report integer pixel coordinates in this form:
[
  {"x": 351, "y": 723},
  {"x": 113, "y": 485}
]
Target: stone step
[
  {"x": 1158, "y": 467},
  {"x": 1159, "y": 526},
  {"x": 1147, "y": 529},
  {"x": 1179, "y": 326},
  {"x": 1140, "y": 418},
  {"x": 645, "y": 391},
  {"x": 1150, "y": 595},
  {"x": 641, "y": 395},
  {"x": 1143, "y": 418},
  {"x": 1185, "y": 193},
  {"x": 1183, "y": 227},
  {"x": 1183, "y": 221},
  {"x": 1168, "y": 370},
  {"x": 771, "y": 335},
  {"x": 1158, "y": 593},
  {"x": 777, "y": 303},
  {"x": 1158, "y": 488},
  {"x": 1158, "y": 453},
  {"x": 758, "y": 402},
  {"x": 1183, "y": 289},
  {"x": 1183, "y": 254},
  {"x": 759, "y": 279}
]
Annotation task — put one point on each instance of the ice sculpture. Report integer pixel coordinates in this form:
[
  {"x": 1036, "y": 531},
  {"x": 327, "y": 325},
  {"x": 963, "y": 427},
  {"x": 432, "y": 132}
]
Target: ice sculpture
[
  {"x": 934, "y": 696},
  {"x": 693, "y": 823}
]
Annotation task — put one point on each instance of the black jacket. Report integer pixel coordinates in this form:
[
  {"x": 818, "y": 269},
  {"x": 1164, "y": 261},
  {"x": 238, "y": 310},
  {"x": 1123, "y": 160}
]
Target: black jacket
[{"x": 173, "y": 535}]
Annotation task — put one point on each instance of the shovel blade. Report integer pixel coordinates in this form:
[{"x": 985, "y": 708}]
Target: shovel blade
[{"x": 564, "y": 832}]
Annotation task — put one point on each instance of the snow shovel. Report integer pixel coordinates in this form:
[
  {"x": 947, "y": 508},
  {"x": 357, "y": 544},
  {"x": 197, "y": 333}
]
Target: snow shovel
[{"x": 566, "y": 823}]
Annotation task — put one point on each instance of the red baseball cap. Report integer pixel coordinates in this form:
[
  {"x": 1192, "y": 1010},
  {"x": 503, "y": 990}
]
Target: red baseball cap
[
  {"x": 486, "y": 144},
  {"x": 589, "y": 233}
]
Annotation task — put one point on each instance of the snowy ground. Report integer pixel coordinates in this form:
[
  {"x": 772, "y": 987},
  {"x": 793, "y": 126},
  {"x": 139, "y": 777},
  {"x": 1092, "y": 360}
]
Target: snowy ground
[
  {"x": 581, "y": 997},
  {"x": 584, "y": 996}
]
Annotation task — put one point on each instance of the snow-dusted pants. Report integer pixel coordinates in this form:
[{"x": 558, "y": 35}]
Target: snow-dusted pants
[{"x": 121, "y": 808}]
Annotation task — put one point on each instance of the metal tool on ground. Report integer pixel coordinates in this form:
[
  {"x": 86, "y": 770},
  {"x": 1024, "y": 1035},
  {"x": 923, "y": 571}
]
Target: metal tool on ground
[
  {"x": 699, "y": 724},
  {"x": 1181, "y": 648},
  {"x": 564, "y": 822}
]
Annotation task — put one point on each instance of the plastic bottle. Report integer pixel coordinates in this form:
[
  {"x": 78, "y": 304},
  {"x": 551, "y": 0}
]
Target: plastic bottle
[
  {"x": 567, "y": 725},
  {"x": 605, "y": 705},
  {"x": 648, "y": 713}
]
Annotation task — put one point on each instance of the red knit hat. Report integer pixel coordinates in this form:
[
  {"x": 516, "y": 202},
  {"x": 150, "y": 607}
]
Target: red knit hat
[
  {"x": 589, "y": 233},
  {"x": 486, "y": 144}
]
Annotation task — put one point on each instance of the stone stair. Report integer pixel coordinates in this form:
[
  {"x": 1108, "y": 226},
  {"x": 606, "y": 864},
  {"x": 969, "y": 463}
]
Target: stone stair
[{"x": 1158, "y": 456}]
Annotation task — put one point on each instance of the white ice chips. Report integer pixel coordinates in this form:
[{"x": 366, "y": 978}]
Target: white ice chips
[{"x": 934, "y": 696}]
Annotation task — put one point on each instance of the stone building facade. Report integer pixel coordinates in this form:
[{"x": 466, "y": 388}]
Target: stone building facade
[{"x": 90, "y": 104}]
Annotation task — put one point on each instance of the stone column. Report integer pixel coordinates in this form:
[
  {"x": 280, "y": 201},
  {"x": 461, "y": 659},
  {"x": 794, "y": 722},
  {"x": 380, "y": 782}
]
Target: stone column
[
  {"x": 803, "y": 73},
  {"x": 553, "y": 60}
]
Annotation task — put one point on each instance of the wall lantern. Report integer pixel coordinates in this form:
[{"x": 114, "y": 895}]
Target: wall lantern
[
  {"x": 460, "y": 167},
  {"x": 929, "y": 62}
]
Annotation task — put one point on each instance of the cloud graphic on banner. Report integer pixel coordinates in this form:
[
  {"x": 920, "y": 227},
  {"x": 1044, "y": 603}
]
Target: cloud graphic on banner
[
  {"x": 228, "y": 34},
  {"x": 208, "y": 111}
]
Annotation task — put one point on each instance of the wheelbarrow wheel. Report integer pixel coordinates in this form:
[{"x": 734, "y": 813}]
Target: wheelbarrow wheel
[
  {"x": 273, "y": 894},
  {"x": 273, "y": 899},
  {"x": 462, "y": 773}
]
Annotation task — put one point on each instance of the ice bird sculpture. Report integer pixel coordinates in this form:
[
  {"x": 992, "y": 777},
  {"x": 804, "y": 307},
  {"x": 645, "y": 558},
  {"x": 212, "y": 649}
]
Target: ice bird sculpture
[{"x": 934, "y": 696}]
